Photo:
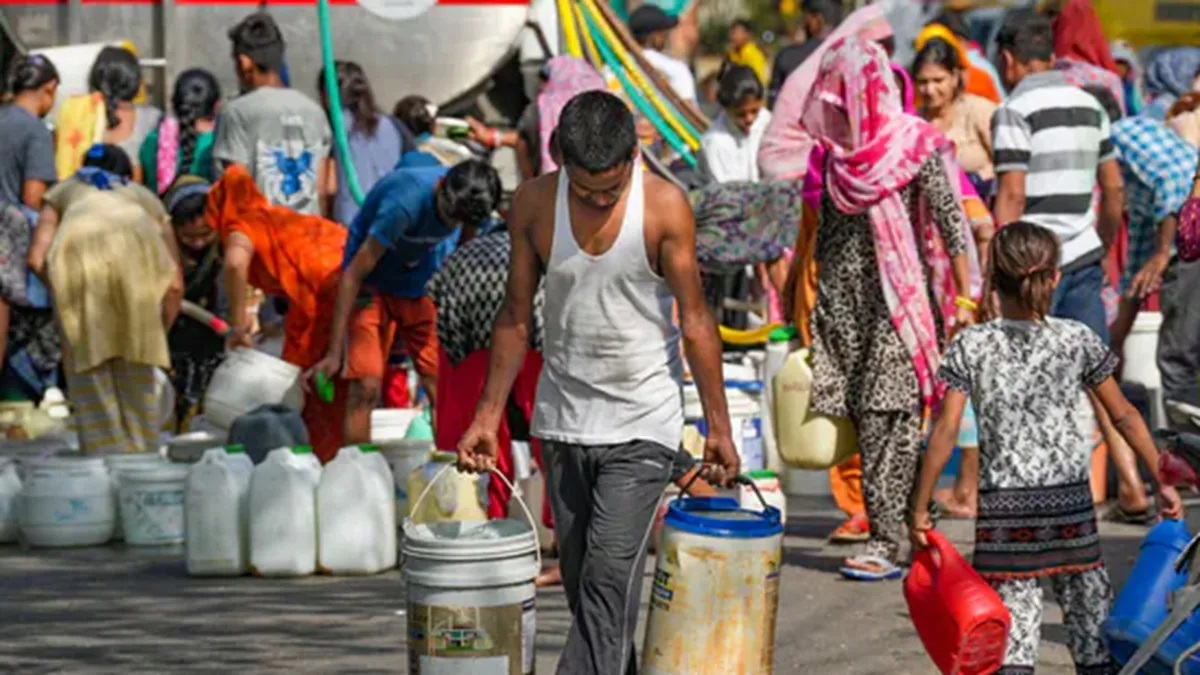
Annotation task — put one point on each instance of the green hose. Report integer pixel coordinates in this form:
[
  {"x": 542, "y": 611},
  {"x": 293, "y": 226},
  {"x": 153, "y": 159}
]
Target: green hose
[{"x": 335, "y": 104}]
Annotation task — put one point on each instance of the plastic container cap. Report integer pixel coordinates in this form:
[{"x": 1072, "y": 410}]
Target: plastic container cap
[
  {"x": 368, "y": 447},
  {"x": 235, "y": 449},
  {"x": 302, "y": 449},
  {"x": 420, "y": 429},
  {"x": 783, "y": 334},
  {"x": 763, "y": 474}
]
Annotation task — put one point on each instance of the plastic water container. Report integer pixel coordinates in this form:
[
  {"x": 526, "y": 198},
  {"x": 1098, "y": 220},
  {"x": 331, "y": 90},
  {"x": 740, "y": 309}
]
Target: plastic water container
[
  {"x": 819, "y": 441},
  {"x": 246, "y": 379},
  {"x": 216, "y": 506},
  {"x": 67, "y": 502},
  {"x": 117, "y": 463},
  {"x": 10, "y": 491},
  {"x": 382, "y": 471},
  {"x": 283, "y": 514},
  {"x": 1141, "y": 350},
  {"x": 391, "y": 424},
  {"x": 715, "y": 596},
  {"x": 780, "y": 343},
  {"x": 356, "y": 515},
  {"x": 1142, "y": 604},
  {"x": 454, "y": 496},
  {"x": 152, "y": 497},
  {"x": 471, "y": 597},
  {"x": 745, "y": 418},
  {"x": 771, "y": 489},
  {"x": 404, "y": 457},
  {"x": 961, "y": 620}
]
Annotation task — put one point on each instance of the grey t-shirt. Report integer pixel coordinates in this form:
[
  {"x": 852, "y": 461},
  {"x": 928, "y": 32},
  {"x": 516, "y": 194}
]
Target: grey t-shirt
[
  {"x": 146, "y": 121},
  {"x": 26, "y": 152},
  {"x": 282, "y": 137}
]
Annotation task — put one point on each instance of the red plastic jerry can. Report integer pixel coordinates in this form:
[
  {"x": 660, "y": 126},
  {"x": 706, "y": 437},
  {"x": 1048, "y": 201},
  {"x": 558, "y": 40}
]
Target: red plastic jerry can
[{"x": 961, "y": 620}]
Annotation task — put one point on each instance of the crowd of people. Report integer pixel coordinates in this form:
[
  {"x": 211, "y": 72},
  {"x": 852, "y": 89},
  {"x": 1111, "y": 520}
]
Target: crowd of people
[{"x": 964, "y": 243}]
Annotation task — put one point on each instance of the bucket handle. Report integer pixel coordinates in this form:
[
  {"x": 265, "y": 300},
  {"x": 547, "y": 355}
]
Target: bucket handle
[
  {"x": 515, "y": 489},
  {"x": 740, "y": 479}
]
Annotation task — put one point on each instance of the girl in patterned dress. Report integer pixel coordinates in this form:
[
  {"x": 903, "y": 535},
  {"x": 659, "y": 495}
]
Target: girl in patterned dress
[{"x": 1026, "y": 374}]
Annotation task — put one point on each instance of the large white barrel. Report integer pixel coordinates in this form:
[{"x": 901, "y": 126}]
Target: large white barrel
[{"x": 716, "y": 590}]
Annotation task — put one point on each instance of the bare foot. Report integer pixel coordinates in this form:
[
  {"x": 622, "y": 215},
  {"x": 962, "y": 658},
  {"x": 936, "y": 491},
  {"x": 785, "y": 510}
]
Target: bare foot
[
  {"x": 551, "y": 576},
  {"x": 956, "y": 504}
]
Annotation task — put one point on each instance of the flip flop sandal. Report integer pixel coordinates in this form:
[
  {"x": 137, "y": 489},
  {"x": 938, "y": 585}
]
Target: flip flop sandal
[
  {"x": 856, "y": 529},
  {"x": 1119, "y": 515},
  {"x": 946, "y": 513},
  {"x": 887, "y": 569}
]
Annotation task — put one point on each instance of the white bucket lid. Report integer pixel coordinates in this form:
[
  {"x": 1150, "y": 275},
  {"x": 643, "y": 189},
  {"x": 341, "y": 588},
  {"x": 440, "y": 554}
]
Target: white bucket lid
[
  {"x": 475, "y": 541},
  {"x": 125, "y": 459},
  {"x": 165, "y": 472}
]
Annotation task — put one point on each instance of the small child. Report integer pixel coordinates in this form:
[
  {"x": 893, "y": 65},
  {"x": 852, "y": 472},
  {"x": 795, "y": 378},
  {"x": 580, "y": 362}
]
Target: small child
[{"x": 1025, "y": 374}]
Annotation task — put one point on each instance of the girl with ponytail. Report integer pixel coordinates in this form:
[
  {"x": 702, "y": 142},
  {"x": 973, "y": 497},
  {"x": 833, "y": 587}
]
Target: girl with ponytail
[
  {"x": 26, "y": 146},
  {"x": 182, "y": 143},
  {"x": 375, "y": 140}
]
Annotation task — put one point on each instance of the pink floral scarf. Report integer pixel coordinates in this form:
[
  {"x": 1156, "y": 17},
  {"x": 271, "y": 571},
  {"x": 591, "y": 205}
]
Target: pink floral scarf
[
  {"x": 167, "y": 153},
  {"x": 873, "y": 149},
  {"x": 566, "y": 78}
]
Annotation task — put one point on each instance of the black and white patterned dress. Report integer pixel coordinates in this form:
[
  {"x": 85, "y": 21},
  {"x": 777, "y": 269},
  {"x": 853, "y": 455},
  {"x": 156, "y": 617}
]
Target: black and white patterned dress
[{"x": 1027, "y": 381}]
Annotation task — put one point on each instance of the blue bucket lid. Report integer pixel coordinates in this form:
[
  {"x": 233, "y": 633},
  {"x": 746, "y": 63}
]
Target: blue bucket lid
[
  {"x": 744, "y": 385},
  {"x": 722, "y": 517}
]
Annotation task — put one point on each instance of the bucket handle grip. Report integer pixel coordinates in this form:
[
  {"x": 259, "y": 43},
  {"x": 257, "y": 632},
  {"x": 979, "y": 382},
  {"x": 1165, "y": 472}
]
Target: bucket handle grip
[
  {"x": 740, "y": 479},
  {"x": 515, "y": 489}
]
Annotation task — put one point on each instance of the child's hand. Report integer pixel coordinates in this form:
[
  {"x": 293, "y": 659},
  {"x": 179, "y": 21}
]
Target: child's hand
[
  {"x": 1170, "y": 506},
  {"x": 921, "y": 523}
]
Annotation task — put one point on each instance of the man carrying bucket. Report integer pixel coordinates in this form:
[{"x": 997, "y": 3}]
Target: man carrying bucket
[{"x": 608, "y": 407}]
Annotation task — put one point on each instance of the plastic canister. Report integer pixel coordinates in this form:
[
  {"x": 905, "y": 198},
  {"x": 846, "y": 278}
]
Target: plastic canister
[
  {"x": 1141, "y": 348},
  {"x": 356, "y": 514},
  {"x": 216, "y": 507},
  {"x": 115, "y": 464},
  {"x": 780, "y": 342},
  {"x": 152, "y": 498},
  {"x": 283, "y": 515},
  {"x": 246, "y": 379},
  {"x": 771, "y": 489},
  {"x": 67, "y": 502},
  {"x": 471, "y": 597},
  {"x": 404, "y": 456},
  {"x": 745, "y": 418},
  {"x": 454, "y": 497},
  {"x": 715, "y": 595},
  {"x": 10, "y": 490},
  {"x": 817, "y": 441}
]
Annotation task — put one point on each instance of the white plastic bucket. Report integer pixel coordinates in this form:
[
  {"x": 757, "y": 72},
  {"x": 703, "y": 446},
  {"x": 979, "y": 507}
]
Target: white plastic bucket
[
  {"x": 246, "y": 379},
  {"x": 771, "y": 490},
  {"x": 744, "y": 403},
  {"x": 715, "y": 595},
  {"x": 117, "y": 463},
  {"x": 1141, "y": 352},
  {"x": 471, "y": 596},
  {"x": 67, "y": 502},
  {"x": 404, "y": 457},
  {"x": 390, "y": 424},
  {"x": 10, "y": 490},
  {"x": 152, "y": 498}
]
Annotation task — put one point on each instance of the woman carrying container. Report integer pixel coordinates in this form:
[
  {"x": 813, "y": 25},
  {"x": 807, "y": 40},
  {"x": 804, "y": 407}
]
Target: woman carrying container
[
  {"x": 289, "y": 255},
  {"x": 889, "y": 212},
  {"x": 108, "y": 251},
  {"x": 183, "y": 142}
]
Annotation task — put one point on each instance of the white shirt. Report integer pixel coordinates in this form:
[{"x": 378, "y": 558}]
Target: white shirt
[
  {"x": 678, "y": 75},
  {"x": 731, "y": 154}
]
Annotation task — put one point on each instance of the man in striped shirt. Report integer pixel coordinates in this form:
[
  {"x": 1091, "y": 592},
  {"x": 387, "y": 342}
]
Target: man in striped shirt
[{"x": 1052, "y": 145}]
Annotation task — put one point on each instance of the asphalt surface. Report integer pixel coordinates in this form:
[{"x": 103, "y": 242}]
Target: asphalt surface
[{"x": 129, "y": 610}]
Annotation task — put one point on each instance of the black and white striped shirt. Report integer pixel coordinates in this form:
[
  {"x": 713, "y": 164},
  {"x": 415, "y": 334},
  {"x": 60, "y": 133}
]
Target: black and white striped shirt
[{"x": 1058, "y": 134}]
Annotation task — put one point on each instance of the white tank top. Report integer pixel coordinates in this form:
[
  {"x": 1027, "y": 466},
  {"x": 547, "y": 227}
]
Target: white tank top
[{"x": 612, "y": 371}]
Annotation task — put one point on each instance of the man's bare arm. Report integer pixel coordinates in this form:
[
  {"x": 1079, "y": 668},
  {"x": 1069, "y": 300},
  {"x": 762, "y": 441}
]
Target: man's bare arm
[
  {"x": 1010, "y": 198},
  {"x": 1112, "y": 202},
  {"x": 514, "y": 321}
]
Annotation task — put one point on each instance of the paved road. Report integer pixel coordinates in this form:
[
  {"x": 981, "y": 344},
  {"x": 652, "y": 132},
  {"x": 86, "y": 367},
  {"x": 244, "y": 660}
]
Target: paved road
[{"x": 126, "y": 610}]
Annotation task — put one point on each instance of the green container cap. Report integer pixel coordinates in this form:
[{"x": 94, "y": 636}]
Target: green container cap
[
  {"x": 420, "y": 429},
  {"x": 302, "y": 449},
  {"x": 235, "y": 449},
  {"x": 783, "y": 334},
  {"x": 368, "y": 447},
  {"x": 324, "y": 388},
  {"x": 762, "y": 474}
]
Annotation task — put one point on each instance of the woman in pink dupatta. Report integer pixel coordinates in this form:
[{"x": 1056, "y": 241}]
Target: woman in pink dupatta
[{"x": 893, "y": 256}]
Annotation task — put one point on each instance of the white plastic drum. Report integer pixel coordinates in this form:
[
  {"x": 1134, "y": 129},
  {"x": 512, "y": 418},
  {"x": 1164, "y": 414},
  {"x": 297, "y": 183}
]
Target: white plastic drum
[
  {"x": 152, "y": 498},
  {"x": 246, "y": 379},
  {"x": 67, "y": 502},
  {"x": 716, "y": 590},
  {"x": 119, "y": 462}
]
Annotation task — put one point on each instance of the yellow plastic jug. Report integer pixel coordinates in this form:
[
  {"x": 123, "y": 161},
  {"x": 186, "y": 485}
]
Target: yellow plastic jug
[
  {"x": 807, "y": 439},
  {"x": 455, "y": 497}
]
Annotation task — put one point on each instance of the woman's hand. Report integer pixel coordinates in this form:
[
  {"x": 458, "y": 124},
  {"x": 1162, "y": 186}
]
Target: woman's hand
[
  {"x": 1170, "y": 506},
  {"x": 963, "y": 318},
  {"x": 921, "y": 523},
  {"x": 329, "y": 367},
  {"x": 481, "y": 133}
]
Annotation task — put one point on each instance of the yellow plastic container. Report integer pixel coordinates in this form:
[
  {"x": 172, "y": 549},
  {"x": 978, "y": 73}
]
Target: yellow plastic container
[
  {"x": 455, "y": 497},
  {"x": 807, "y": 439}
]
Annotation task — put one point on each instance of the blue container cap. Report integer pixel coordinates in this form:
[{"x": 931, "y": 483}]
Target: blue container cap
[
  {"x": 744, "y": 385},
  {"x": 722, "y": 517}
]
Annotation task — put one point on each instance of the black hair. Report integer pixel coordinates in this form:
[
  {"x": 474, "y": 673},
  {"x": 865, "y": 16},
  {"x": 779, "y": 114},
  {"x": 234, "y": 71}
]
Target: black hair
[
  {"x": 829, "y": 10},
  {"x": 743, "y": 24},
  {"x": 117, "y": 76},
  {"x": 110, "y": 158},
  {"x": 955, "y": 22},
  {"x": 258, "y": 38},
  {"x": 27, "y": 73},
  {"x": 1027, "y": 35},
  {"x": 937, "y": 52},
  {"x": 1024, "y": 264},
  {"x": 736, "y": 85},
  {"x": 355, "y": 92},
  {"x": 1107, "y": 101},
  {"x": 596, "y": 132},
  {"x": 414, "y": 112},
  {"x": 470, "y": 192},
  {"x": 194, "y": 98},
  {"x": 188, "y": 209}
]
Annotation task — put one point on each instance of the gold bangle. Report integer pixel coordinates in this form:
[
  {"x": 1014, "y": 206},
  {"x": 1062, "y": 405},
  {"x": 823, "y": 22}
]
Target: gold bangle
[{"x": 963, "y": 302}]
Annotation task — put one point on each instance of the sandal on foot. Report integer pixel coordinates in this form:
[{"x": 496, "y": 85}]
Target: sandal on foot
[
  {"x": 887, "y": 569},
  {"x": 856, "y": 529},
  {"x": 1118, "y": 514}
]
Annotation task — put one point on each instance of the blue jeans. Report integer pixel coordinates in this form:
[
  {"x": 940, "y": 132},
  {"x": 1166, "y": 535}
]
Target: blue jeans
[{"x": 1078, "y": 297}]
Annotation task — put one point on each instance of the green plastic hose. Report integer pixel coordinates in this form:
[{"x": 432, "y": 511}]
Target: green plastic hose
[{"x": 335, "y": 104}]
